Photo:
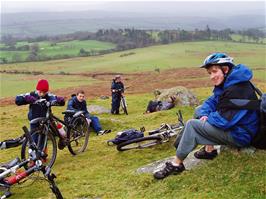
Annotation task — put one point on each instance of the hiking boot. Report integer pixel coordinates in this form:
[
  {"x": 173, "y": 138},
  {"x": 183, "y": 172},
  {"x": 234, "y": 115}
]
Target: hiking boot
[
  {"x": 61, "y": 144},
  {"x": 203, "y": 154},
  {"x": 169, "y": 169}
]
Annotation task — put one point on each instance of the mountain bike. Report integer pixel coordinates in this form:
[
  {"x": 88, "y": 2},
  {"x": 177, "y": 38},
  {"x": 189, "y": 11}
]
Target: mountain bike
[
  {"x": 10, "y": 173},
  {"x": 77, "y": 133},
  {"x": 157, "y": 136}
]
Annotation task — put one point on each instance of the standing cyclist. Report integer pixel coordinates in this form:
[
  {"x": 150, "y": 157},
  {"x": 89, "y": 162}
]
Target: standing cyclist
[{"x": 117, "y": 90}]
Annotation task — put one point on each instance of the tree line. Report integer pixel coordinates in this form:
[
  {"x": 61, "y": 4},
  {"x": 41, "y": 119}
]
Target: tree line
[{"x": 128, "y": 38}]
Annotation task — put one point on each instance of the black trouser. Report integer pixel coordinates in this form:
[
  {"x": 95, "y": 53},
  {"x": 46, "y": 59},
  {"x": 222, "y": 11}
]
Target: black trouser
[{"x": 115, "y": 104}]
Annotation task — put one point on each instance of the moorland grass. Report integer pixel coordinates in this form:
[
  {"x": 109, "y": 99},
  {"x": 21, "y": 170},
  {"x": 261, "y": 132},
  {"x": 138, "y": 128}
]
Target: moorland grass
[{"x": 103, "y": 172}]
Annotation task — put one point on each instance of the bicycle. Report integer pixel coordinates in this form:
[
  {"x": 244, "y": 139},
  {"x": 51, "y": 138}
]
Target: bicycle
[
  {"x": 77, "y": 131},
  {"x": 157, "y": 136},
  {"x": 35, "y": 156}
]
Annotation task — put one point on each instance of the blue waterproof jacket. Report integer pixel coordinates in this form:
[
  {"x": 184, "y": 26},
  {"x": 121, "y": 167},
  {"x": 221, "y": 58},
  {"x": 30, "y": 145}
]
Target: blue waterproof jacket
[{"x": 242, "y": 124}]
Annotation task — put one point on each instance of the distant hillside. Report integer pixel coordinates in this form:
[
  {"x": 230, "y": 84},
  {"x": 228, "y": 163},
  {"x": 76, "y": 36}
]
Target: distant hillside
[{"x": 53, "y": 23}]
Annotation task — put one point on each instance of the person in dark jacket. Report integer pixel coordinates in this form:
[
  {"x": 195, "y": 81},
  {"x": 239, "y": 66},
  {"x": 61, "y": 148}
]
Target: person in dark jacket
[
  {"x": 41, "y": 92},
  {"x": 117, "y": 89},
  {"x": 38, "y": 110},
  {"x": 155, "y": 106},
  {"x": 218, "y": 125},
  {"x": 78, "y": 103}
]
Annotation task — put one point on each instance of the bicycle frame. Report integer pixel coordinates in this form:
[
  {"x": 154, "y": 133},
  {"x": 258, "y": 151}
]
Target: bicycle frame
[{"x": 50, "y": 122}]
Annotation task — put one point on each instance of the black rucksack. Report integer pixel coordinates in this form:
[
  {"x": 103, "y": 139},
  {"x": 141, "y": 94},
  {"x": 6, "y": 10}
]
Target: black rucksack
[
  {"x": 126, "y": 135},
  {"x": 259, "y": 140}
]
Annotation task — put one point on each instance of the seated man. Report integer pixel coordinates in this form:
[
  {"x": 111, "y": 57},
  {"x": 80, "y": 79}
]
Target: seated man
[
  {"x": 218, "y": 125},
  {"x": 78, "y": 103},
  {"x": 154, "y": 106}
]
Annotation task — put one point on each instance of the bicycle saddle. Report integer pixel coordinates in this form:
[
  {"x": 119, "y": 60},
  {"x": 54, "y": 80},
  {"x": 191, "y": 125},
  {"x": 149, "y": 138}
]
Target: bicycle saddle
[
  {"x": 38, "y": 120},
  {"x": 11, "y": 163}
]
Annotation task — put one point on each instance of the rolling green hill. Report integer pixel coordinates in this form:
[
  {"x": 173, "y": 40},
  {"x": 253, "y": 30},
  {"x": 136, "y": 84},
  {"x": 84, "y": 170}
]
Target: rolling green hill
[{"x": 184, "y": 54}]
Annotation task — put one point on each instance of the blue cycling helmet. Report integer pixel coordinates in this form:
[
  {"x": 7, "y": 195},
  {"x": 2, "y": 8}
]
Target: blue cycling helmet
[{"x": 218, "y": 59}]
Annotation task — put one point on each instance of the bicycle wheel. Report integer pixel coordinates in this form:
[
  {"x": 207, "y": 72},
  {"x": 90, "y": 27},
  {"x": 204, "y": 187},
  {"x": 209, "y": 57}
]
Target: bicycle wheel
[
  {"x": 56, "y": 191},
  {"x": 46, "y": 142},
  {"x": 124, "y": 105},
  {"x": 139, "y": 143},
  {"x": 78, "y": 135}
]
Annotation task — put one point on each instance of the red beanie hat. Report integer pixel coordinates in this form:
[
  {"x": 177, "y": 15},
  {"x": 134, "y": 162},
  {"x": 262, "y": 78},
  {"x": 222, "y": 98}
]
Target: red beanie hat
[{"x": 42, "y": 85}]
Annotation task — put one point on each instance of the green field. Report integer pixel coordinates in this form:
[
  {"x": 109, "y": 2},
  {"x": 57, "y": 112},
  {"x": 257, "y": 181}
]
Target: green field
[
  {"x": 103, "y": 172},
  {"x": 188, "y": 54},
  {"x": 70, "y": 48}
]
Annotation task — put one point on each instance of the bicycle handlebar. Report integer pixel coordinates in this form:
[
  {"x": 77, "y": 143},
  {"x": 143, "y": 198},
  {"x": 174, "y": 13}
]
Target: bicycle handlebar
[{"x": 47, "y": 103}]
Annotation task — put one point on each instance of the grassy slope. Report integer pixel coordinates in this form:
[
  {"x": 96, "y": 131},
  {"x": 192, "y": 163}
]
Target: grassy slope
[
  {"x": 104, "y": 172},
  {"x": 189, "y": 54}
]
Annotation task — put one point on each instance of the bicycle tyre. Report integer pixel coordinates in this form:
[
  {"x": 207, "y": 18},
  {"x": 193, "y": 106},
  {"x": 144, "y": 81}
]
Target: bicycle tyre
[
  {"x": 139, "y": 143},
  {"x": 50, "y": 148},
  {"x": 56, "y": 191},
  {"x": 79, "y": 129},
  {"x": 124, "y": 105}
]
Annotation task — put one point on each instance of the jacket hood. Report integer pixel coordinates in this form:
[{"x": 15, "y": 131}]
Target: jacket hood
[{"x": 239, "y": 73}]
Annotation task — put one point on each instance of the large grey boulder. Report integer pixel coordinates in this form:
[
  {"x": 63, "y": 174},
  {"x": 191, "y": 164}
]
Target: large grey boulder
[{"x": 184, "y": 97}]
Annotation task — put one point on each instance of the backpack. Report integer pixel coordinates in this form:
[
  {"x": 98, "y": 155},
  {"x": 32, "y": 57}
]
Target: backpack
[
  {"x": 152, "y": 106},
  {"x": 259, "y": 140},
  {"x": 126, "y": 135}
]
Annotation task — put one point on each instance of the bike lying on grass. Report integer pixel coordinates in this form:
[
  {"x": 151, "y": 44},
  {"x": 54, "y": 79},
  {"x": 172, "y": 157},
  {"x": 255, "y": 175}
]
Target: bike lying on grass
[
  {"x": 77, "y": 133},
  {"x": 10, "y": 173},
  {"x": 157, "y": 136}
]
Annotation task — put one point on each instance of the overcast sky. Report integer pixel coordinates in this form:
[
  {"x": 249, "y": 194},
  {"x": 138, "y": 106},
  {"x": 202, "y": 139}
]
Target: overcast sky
[{"x": 184, "y": 8}]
